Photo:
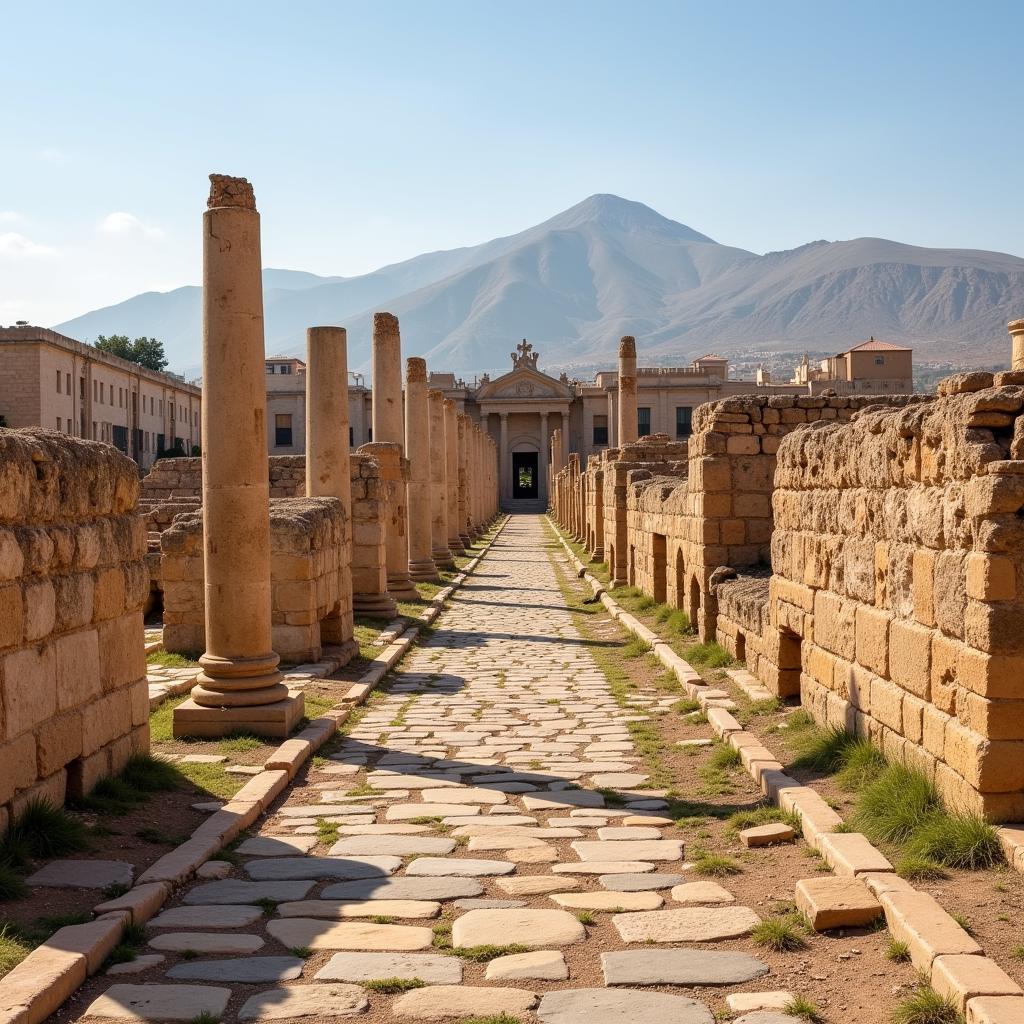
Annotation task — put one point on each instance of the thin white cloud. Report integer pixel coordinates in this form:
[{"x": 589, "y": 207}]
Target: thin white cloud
[
  {"x": 51, "y": 155},
  {"x": 127, "y": 224},
  {"x": 18, "y": 246},
  {"x": 10, "y": 217}
]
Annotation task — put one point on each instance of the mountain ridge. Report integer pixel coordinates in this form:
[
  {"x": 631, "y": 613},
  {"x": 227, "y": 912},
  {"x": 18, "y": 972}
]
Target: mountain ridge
[{"x": 609, "y": 266}]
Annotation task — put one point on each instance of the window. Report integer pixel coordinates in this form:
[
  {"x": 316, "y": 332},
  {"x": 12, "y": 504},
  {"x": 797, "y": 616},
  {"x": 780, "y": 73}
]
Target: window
[
  {"x": 684, "y": 420},
  {"x": 67, "y": 381},
  {"x": 643, "y": 422},
  {"x": 369, "y": 435},
  {"x": 284, "y": 368},
  {"x": 58, "y": 386},
  {"x": 351, "y": 437},
  {"x": 81, "y": 388},
  {"x": 600, "y": 430},
  {"x": 270, "y": 368},
  {"x": 879, "y": 360},
  {"x": 95, "y": 391},
  {"x": 283, "y": 430},
  {"x": 94, "y": 430},
  {"x": 58, "y": 423}
]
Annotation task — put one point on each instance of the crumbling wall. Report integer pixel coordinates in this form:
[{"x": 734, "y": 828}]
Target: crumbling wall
[
  {"x": 74, "y": 703},
  {"x": 308, "y": 555},
  {"x": 898, "y": 558},
  {"x": 369, "y": 521}
]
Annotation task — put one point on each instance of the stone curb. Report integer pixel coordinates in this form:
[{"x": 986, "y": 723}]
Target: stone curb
[
  {"x": 54, "y": 970},
  {"x": 934, "y": 937}
]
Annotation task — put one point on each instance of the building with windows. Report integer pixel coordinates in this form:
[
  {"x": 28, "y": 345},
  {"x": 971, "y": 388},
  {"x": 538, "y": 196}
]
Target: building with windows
[
  {"x": 49, "y": 380},
  {"x": 520, "y": 409}
]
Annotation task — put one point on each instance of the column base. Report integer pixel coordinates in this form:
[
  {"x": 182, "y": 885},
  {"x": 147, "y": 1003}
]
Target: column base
[
  {"x": 455, "y": 546},
  {"x": 424, "y": 572},
  {"x": 400, "y": 588},
  {"x": 467, "y": 540},
  {"x": 275, "y": 720},
  {"x": 342, "y": 653},
  {"x": 443, "y": 558},
  {"x": 376, "y": 606}
]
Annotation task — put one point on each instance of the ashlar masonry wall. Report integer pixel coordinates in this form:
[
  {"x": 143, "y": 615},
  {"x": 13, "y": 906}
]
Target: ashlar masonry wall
[
  {"x": 898, "y": 559},
  {"x": 74, "y": 703}
]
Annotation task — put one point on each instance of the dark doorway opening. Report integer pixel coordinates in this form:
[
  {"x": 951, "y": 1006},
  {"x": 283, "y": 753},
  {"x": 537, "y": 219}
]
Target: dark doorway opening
[{"x": 524, "y": 475}]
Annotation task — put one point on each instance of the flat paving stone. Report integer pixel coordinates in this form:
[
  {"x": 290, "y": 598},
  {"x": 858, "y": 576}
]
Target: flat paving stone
[
  {"x": 397, "y": 846},
  {"x": 766, "y": 1017},
  {"x": 541, "y": 965},
  {"x": 688, "y": 924},
  {"x": 274, "y": 869},
  {"x": 566, "y": 798},
  {"x": 618, "y": 780},
  {"x": 608, "y": 900},
  {"x": 533, "y": 855},
  {"x": 469, "y": 795},
  {"x": 338, "y": 910},
  {"x": 701, "y": 892},
  {"x": 248, "y": 970},
  {"x": 234, "y": 890},
  {"x": 617, "y": 833},
  {"x": 767, "y": 835},
  {"x": 211, "y": 916},
  {"x": 487, "y": 904},
  {"x": 159, "y": 1002},
  {"x": 741, "y": 1002},
  {"x": 603, "y": 867},
  {"x": 305, "y": 1001},
  {"x": 439, "y": 1002},
  {"x": 206, "y": 942},
  {"x": 534, "y": 929},
  {"x": 641, "y": 849},
  {"x": 276, "y": 846},
  {"x": 679, "y": 967},
  {"x": 627, "y": 882},
  {"x": 535, "y": 885},
  {"x": 408, "y": 812},
  {"x": 505, "y": 841},
  {"x": 432, "y": 968},
  {"x": 297, "y": 932},
  {"x": 457, "y": 866},
  {"x": 608, "y": 1006},
  {"x": 403, "y": 889},
  {"x": 83, "y": 874},
  {"x": 136, "y": 966}
]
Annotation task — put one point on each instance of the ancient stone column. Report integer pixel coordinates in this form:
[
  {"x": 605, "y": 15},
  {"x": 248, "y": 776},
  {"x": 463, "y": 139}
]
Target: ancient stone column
[
  {"x": 388, "y": 429},
  {"x": 239, "y": 687},
  {"x": 1016, "y": 329},
  {"x": 464, "y": 534},
  {"x": 627, "y": 432},
  {"x": 451, "y": 439},
  {"x": 506, "y": 472},
  {"x": 439, "y": 549},
  {"x": 417, "y": 451},
  {"x": 328, "y": 473}
]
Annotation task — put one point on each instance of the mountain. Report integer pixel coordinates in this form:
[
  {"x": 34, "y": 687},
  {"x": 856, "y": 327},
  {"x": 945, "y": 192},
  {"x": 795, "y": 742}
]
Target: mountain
[{"x": 606, "y": 267}]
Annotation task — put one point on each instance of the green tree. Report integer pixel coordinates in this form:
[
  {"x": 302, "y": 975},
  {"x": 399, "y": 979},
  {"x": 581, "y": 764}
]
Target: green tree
[{"x": 148, "y": 352}]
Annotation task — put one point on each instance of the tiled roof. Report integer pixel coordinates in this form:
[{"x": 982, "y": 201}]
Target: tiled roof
[{"x": 873, "y": 345}]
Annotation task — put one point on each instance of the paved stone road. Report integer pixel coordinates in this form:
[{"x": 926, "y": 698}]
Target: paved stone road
[{"x": 470, "y": 814}]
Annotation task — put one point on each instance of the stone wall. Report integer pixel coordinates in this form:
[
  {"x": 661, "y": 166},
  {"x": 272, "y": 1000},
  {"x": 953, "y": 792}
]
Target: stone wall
[
  {"x": 309, "y": 554},
  {"x": 369, "y": 519},
  {"x": 74, "y": 703},
  {"x": 898, "y": 560}
]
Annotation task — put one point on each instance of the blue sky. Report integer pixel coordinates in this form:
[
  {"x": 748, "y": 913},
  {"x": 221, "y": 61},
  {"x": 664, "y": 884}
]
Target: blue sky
[{"x": 376, "y": 131}]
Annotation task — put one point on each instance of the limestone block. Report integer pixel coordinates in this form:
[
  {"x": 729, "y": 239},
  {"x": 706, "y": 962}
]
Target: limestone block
[
  {"x": 836, "y": 902},
  {"x": 872, "y": 638},
  {"x": 834, "y": 624},
  {"x": 77, "y": 667},
  {"x": 29, "y": 688},
  {"x": 17, "y": 765},
  {"x": 122, "y": 651},
  {"x": 991, "y": 577},
  {"x": 40, "y": 609},
  {"x": 58, "y": 742},
  {"x": 12, "y": 618},
  {"x": 910, "y": 657},
  {"x": 961, "y": 977},
  {"x": 917, "y": 919}
]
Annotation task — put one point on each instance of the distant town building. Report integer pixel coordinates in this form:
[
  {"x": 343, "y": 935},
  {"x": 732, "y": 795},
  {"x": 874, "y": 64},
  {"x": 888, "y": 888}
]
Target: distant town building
[
  {"x": 872, "y": 367},
  {"x": 49, "y": 380}
]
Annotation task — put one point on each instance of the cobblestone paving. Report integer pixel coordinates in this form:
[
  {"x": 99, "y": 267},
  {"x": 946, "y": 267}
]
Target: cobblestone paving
[{"x": 468, "y": 852}]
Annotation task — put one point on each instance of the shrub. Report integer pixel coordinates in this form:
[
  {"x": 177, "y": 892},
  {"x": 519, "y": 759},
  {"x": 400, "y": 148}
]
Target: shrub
[
  {"x": 43, "y": 830},
  {"x": 822, "y": 750},
  {"x": 709, "y": 655},
  {"x": 919, "y": 869}
]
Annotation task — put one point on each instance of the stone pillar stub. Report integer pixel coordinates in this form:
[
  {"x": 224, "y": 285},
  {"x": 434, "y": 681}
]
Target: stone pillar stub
[
  {"x": 417, "y": 452},
  {"x": 239, "y": 687},
  {"x": 328, "y": 474},
  {"x": 388, "y": 429},
  {"x": 462, "y": 426},
  {"x": 1016, "y": 329},
  {"x": 627, "y": 432},
  {"x": 440, "y": 551}
]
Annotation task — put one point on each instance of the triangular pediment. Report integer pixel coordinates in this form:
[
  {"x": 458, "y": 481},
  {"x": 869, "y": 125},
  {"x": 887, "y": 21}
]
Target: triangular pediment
[{"x": 524, "y": 382}]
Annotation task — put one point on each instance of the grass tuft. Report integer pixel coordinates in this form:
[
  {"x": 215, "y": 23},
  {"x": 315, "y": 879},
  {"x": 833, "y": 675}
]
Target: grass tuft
[
  {"x": 391, "y": 985},
  {"x": 919, "y": 869},
  {"x": 42, "y": 830},
  {"x": 895, "y": 806},
  {"x": 724, "y": 756},
  {"x": 716, "y": 865},
  {"x": 926, "y": 1006},
  {"x": 958, "y": 841},
  {"x": 822, "y": 750},
  {"x": 779, "y": 935},
  {"x": 709, "y": 655},
  {"x": 149, "y": 774},
  {"x": 803, "y": 1008},
  {"x": 484, "y": 954},
  {"x": 13, "y": 948},
  {"x": 898, "y": 952}
]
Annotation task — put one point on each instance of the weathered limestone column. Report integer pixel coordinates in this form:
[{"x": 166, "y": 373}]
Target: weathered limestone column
[
  {"x": 417, "y": 451},
  {"x": 451, "y": 441},
  {"x": 464, "y": 534},
  {"x": 627, "y": 432},
  {"x": 546, "y": 472},
  {"x": 388, "y": 429},
  {"x": 565, "y": 438},
  {"x": 239, "y": 687},
  {"x": 1016, "y": 329},
  {"x": 439, "y": 550},
  {"x": 475, "y": 479},
  {"x": 506, "y": 474},
  {"x": 328, "y": 472}
]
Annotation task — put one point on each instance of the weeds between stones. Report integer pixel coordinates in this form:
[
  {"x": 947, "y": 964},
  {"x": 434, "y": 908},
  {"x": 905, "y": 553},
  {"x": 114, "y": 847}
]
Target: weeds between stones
[
  {"x": 168, "y": 660},
  {"x": 239, "y": 743},
  {"x": 484, "y": 954},
  {"x": 963, "y": 921},
  {"x": 716, "y": 865},
  {"x": 634, "y": 647},
  {"x": 926, "y": 1006},
  {"x": 327, "y": 831},
  {"x": 205, "y": 1018},
  {"x": 919, "y": 869},
  {"x": 898, "y": 952},
  {"x": 42, "y": 830},
  {"x": 803, "y": 1008},
  {"x": 586, "y": 917},
  {"x": 393, "y": 985},
  {"x": 302, "y": 952},
  {"x": 779, "y": 934},
  {"x": 739, "y": 820},
  {"x": 709, "y": 655},
  {"x": 494, "y": 1018}
]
